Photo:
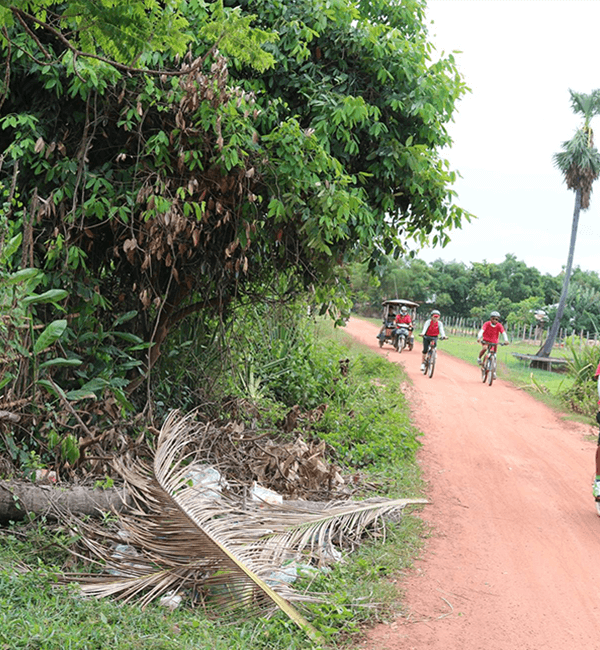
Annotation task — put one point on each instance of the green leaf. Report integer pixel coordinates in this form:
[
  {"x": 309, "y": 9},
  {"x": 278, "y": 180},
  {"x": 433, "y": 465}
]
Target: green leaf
[
  {"x": 6, "y": 379},
  {"x": 50, "y": 335},
  {"x": 88, "y": 390},
  {"x": 76, "y": 395},
  {"x": 21, "y": 276},
  {"x": 11, "y": 246},
  {"x": 70, "y": 449},
  {"x": 127, "y": 336},
  {"x": 53, "y": 295},
  {"x": 127, "y": 316},
  {"x": 61, "y": 362},
  {"x": 52, "y": 387}
]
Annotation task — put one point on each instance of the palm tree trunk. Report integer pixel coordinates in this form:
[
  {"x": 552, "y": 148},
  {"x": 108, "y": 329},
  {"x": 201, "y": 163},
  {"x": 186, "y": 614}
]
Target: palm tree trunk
[{"x": 546, "y": 349}]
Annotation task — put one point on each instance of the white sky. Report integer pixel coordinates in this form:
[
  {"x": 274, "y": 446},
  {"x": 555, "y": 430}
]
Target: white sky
[{"x": 520, "y": 58}]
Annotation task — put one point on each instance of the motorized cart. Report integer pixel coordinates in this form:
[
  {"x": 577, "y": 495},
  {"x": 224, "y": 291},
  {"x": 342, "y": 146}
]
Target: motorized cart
[{"x": 390, "y": 332}]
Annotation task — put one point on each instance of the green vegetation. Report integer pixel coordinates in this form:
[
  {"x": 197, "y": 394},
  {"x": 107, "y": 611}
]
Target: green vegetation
[
  {"x": 510, "y": 368},
  {"x": 166, "y": 227},
  {"x": 35, "y": 613},
  {"x": 581, "y": 393},
  {"x": 168, "y": 165},
  {"x": 573, "y": 391},
  {"x": 471, "y": 291},
  {"x": 377, "y": 431}
]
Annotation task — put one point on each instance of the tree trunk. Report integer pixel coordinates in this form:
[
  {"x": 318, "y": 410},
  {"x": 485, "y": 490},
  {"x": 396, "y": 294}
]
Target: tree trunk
[
  {"x": 546, "y": 349},
  {"x": 18, "y": 498}
]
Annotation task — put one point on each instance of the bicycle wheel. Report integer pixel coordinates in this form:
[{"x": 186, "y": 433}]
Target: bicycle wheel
[
  {"x": 431, "y": 368},
  {"x": 492, "y": 369},
  {"x": 484, "y": 370}
]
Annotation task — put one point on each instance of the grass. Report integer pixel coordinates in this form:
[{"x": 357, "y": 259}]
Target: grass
[
  {"x": 544, "y": 385},
  {"x": 36, "y": 613}
]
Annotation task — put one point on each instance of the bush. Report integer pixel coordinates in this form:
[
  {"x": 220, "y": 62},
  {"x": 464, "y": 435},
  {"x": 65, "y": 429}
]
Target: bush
[{"x": 582, "y": 395}]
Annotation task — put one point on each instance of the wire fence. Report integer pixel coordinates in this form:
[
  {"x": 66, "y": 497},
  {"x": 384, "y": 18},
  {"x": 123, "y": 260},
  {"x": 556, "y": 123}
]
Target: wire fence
[
  {"x": 516, "y": 332},
  {"x": 526, "y": 333}
]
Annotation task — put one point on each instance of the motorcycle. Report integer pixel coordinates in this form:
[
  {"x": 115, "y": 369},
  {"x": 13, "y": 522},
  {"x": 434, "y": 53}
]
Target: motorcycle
[
  {"x": 389, "y": 330},
  {"x": 403, "y": 337}
]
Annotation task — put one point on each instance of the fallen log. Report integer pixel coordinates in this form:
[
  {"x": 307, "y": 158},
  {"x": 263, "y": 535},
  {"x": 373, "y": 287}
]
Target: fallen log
[{"x": 18, "y": 498}]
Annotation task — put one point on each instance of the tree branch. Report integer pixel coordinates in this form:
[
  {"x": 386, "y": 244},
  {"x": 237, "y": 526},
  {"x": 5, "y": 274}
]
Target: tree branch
[{"x": 21, "y": 15}]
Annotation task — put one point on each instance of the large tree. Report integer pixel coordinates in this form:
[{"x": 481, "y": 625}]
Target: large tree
[
  {"x": 165, "y": 158},
  {"x": 579, "y": 162}
]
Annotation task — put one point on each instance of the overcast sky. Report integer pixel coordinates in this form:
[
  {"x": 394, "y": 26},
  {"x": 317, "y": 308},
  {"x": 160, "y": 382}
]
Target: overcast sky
[{"x": 520, "y": 58}]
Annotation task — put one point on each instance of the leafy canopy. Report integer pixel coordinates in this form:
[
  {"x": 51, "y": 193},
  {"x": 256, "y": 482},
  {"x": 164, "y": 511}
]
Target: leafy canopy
[{"x": 163, "y": 159}]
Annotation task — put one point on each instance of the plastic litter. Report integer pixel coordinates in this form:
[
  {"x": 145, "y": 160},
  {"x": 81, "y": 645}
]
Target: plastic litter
[
  {"x": 171, "y": 600},
  {"x": 264, "y": 495},
  {"x": 290, "y": 572},
  {"x": 207, "y": 480}
]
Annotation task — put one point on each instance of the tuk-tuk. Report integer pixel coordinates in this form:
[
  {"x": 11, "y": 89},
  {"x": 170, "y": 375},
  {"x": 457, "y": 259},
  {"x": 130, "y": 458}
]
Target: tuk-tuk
[{"x": 389, "y": 333}]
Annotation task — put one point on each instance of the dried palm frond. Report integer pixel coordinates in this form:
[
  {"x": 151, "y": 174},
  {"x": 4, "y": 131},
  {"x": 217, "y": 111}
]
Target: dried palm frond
[{"x": 227, "y": 552}]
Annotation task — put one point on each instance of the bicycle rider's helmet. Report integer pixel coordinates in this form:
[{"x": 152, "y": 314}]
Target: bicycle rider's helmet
[
  {"x": 403, "y": 310},
  {"x": 435, "y": 312},
  {"x": 495, "y": 313}
]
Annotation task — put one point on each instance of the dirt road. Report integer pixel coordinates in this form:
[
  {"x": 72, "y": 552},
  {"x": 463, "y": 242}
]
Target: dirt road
[{"x": 514, "y": 559}]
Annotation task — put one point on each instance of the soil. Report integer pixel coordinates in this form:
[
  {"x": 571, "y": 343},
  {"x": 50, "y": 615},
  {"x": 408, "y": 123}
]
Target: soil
[{"x": 515, "y": 537}]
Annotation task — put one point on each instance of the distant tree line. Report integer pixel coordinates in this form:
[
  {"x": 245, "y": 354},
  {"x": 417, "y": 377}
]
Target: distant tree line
[{"x": 511, "y": 287}]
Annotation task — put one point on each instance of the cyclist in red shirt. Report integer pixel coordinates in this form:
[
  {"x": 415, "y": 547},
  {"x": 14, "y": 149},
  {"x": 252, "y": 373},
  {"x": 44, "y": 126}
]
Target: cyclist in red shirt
[
  {"x": 490, "y": 333},
  {"x": 431, "y": 330}
]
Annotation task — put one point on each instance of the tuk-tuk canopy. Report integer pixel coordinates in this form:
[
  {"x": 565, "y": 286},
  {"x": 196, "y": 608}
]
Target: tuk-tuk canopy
[
  {"x": 399, "y": 302},
  {"x": 392, "y": 307}
]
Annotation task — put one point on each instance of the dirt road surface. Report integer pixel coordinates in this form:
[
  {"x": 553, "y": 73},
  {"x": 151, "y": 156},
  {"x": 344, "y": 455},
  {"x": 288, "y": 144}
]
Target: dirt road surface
[{"x": 513, "y": 562}]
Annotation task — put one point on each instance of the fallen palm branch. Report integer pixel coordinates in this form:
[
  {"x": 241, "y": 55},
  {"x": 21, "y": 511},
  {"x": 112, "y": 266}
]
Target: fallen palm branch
[
  {"x": 225, "y": 551},
  {"x": 534, "y": 386}
]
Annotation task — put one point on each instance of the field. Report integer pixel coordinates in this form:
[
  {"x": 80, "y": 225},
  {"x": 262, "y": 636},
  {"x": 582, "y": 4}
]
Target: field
[{"x": 511, "y": 368}]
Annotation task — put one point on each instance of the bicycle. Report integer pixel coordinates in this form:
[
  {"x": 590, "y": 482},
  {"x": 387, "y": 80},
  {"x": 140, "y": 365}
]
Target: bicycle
[
  {"x": 489, "y": 364},
  {"x": 430, "y": 358}
]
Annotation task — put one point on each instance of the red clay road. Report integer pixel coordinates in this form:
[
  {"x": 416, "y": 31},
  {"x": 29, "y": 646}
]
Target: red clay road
[{"x": 513, "y": 560}]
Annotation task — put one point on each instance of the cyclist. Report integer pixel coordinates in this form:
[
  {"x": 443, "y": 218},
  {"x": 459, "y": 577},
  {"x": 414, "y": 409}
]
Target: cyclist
[
  {"x": 431, "y": 330},
  {"x": 490, "y": 333},
  {"x": 403, "y": 318},
  {"x": 596, "y": 488}
]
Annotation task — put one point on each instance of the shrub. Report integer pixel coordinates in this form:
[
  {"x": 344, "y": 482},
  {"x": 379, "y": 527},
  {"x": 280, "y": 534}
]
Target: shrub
[{"x": 582, "y": 395}]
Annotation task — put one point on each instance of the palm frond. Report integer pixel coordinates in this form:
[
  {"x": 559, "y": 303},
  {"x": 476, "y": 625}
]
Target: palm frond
[{"x": 226, "y": 552}]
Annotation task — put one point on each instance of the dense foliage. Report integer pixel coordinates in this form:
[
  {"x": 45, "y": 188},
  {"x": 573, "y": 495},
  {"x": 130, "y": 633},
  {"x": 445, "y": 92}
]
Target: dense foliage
[
  {"x": 165, "y": 159},
  {"x": 37, "y": 613}
]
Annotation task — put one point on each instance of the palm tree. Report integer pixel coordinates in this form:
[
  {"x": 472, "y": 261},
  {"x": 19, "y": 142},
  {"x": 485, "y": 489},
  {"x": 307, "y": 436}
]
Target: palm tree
[{"x": 579, "y": 161}]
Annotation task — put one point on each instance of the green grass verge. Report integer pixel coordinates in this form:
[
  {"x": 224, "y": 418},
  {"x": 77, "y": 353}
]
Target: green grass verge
[{"x": 544, "y": 385}]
